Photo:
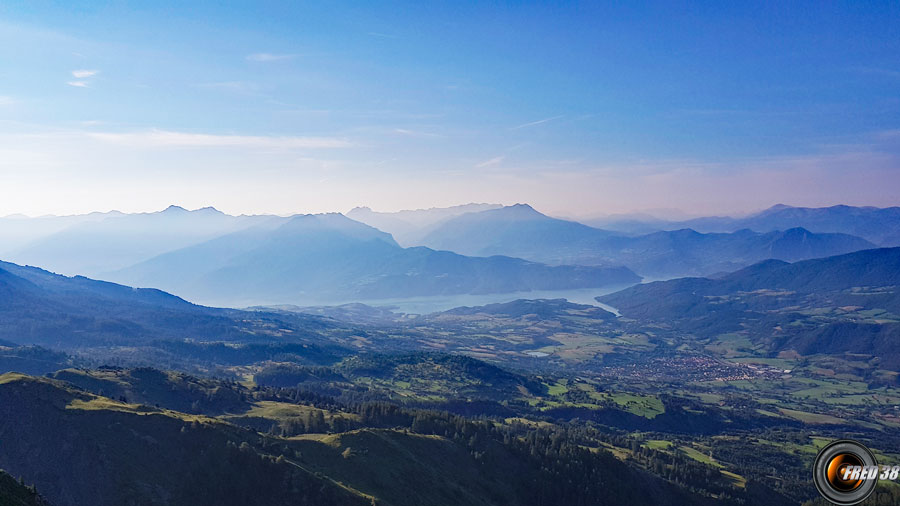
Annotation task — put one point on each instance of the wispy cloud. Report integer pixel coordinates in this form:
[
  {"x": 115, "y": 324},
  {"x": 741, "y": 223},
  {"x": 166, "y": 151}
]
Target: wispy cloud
[
  {"x": 414, "y": 133},
  {"x": 84, "y": 73},
  {"x": 80, "y": 75},
  {"x": 538, "y": 122},
  {"x": 490, "y": 163},
  {"x": 166, "y": 138},
  {"x": 227, "y": 85},
  {"x": 5, "y": 100},
  {"x": 268, "y": 57}
]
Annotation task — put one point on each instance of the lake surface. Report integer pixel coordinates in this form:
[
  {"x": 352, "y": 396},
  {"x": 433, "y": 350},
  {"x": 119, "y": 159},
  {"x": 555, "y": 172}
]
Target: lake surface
[{"x": 435, "y": 303}]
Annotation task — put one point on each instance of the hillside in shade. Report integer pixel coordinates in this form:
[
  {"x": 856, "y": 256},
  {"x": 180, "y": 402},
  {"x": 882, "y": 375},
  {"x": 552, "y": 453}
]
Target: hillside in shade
[
  {"x": 14, "y": 493},
  {"x": 812, "y": 306},
  {"x": 39, "y": 307},
  {"x": 61, "y": 438}
]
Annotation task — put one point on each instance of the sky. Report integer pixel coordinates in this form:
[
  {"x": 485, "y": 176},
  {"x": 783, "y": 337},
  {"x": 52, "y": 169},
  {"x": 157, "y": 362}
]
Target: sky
[{"x": 580, "y": 109}]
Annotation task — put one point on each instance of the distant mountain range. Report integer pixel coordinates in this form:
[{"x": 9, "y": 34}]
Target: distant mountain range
[
  {"x": 18, "y": 231},
  {"x": 408, "y": 227},
  {"x": 521, "y": 231},
  {"x": 880, "y": 226},
  {"x": 93, "y": 245},
  {"x": 316, "y": 258},
  {"x": 214, "y": 258}
]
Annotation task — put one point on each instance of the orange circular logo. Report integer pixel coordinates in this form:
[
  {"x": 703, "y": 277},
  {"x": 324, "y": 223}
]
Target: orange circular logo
[
  {"x": 845, "y": 472},
  {"x": 837, "y": 470}
]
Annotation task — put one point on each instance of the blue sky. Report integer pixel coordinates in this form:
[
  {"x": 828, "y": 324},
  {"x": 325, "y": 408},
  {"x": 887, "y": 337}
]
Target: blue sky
[{"x": 579, "y": 109}]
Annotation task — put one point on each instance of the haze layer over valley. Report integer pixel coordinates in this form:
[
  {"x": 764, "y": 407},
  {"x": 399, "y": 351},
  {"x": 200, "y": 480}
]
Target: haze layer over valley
[{"x": 213, "y": 258}]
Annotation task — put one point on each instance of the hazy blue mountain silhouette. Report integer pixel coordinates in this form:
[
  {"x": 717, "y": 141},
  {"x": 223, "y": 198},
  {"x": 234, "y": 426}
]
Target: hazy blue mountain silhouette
[
  {"x": 17, "y": 231},
  {"x": 95, "y": 247},
  {"x": 880, "y": 226},
  {"x": 521, "y": 231},
  {"x": 409, "y": 226},
  {"x": 331, "y": 258}
]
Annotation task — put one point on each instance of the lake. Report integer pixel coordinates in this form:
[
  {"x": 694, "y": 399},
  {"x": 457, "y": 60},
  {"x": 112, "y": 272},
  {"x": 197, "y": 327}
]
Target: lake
[{"x": 435, "y": 303}]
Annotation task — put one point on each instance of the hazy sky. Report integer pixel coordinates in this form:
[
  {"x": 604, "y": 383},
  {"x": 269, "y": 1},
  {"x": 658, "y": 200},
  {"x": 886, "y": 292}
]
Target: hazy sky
[{"x": 577, "y": 109}]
